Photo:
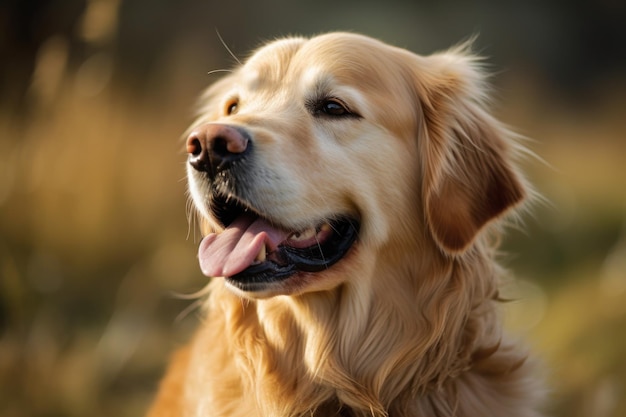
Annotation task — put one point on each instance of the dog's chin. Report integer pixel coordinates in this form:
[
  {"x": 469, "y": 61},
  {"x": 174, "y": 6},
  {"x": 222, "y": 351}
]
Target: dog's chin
[{"x": 259, "y": 257}]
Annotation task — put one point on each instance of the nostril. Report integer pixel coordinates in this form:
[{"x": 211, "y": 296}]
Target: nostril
[
  {"x": 194, "y": 147},
  {"x": 219, "y": 147},
  {"x": 213, "y": 148}
]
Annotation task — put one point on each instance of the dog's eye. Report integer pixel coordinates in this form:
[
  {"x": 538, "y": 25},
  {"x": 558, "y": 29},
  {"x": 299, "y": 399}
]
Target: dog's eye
[
  {"x": 333, "y": 107},
  {"x": 231, "y": 108},
  {"x": 330, "y": 107}
]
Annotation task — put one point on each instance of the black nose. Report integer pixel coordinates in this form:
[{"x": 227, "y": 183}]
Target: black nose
[{"x": 213, "y": 147}]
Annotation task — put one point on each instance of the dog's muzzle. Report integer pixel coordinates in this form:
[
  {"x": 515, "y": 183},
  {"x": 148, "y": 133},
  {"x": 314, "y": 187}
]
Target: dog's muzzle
[{"x": 254, "y": 251}]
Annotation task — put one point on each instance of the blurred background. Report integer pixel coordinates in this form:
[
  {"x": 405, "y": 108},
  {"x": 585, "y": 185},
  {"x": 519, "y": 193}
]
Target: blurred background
[{"x": 95, "y": 241}]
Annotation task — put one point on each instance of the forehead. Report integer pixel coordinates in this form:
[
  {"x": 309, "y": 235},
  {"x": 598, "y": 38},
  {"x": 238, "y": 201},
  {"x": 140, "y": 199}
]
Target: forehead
[
  {"x": 371, "y": 77},
  {"x": 338, "y": 59},
  {"x": 270, "y": 63}
]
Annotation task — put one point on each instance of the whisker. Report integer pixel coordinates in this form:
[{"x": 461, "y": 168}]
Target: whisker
[
  {"x": 227, "y": 48},
  {"x": 332, "y": 227},
  {"x": 354, "y": 228},
  {"x": 187, "y": 311},
  {"x": 191, "y": 219},
  {"x": 194, "y": 295},
  {"x": 215, "y": 71},
  {"x": 319, "y": 246}
]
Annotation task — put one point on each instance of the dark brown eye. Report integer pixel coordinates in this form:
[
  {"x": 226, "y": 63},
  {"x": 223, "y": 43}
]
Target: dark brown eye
[
  {"x": 334, "y": 107},
  {"x": 231, "y": 108},
  {"x": 331, "y": 107}
]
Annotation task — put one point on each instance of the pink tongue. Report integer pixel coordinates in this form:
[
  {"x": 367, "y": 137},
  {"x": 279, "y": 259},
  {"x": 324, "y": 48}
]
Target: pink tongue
[{"x": 230, "y": 252}]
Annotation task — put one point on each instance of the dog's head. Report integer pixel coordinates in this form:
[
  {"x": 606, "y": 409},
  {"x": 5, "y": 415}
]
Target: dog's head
[{"x": 318, "y": 155}]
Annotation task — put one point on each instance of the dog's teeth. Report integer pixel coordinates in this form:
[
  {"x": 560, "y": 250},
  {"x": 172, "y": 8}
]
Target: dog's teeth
[
  {"x": 260, "y": 257},
  {"x": 304, "y": 235},
  {"x": 325, "y": 227}
]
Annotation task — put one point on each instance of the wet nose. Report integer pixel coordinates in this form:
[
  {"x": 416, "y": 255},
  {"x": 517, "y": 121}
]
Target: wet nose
[{"x": 213, "y": 147}]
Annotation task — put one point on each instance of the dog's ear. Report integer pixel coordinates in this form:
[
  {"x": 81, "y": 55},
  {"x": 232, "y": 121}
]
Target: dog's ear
[{"x": 468, "y": 178}]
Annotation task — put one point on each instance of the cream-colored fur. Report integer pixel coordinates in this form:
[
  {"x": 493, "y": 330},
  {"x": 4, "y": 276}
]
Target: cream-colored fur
[{"x": 407, "y": 323}]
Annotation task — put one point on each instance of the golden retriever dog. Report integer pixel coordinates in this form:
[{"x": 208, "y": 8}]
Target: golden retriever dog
[{"x": 350, "y": 194}]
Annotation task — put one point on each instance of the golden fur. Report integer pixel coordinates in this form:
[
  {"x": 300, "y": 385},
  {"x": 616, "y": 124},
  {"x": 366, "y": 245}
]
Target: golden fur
[{"x": 407, "y": 323}]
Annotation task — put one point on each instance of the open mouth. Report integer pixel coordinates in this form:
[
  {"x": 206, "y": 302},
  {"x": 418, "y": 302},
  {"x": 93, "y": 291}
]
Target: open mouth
[{"x": 254, "y": 251}]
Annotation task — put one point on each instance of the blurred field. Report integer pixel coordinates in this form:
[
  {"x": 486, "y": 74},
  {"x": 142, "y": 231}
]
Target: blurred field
[{"x": 95, "y": 239}]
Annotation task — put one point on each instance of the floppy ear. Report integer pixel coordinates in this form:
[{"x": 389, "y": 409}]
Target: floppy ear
[{"x": 468, "y": 178}]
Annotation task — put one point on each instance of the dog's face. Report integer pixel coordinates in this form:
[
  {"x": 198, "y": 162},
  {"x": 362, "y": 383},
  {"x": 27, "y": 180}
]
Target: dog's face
[{"x": 315, "y": 155}]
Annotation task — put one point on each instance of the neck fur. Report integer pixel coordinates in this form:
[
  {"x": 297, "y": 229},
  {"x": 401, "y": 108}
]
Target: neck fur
[{"x": 363, "y": 346}]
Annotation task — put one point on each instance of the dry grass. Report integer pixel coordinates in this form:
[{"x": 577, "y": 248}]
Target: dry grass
[{"x": 93, "y": 240}]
